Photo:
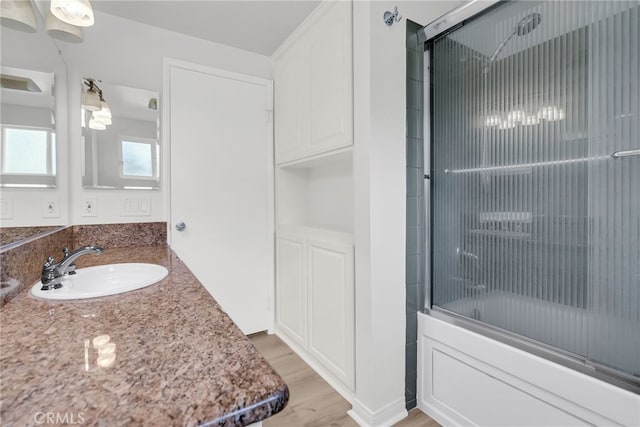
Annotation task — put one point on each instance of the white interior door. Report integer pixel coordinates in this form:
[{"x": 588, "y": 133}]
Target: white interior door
[{"x": 222, "y": 187}]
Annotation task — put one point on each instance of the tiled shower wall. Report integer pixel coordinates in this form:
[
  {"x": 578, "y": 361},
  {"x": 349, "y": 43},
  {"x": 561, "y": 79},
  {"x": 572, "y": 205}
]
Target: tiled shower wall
[{"x": 416, "y": 226}]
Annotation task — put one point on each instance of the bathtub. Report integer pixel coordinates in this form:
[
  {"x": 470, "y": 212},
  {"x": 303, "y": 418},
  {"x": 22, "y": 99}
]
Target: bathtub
[{"x": 465, "y": 378}]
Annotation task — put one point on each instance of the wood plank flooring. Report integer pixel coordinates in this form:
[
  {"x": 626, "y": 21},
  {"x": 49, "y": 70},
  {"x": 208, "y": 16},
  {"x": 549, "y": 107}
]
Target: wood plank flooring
[{"x": 312, "y": 402}]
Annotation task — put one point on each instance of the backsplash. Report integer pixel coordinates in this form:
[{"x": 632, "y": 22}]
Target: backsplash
[
  {"x": 120, "y": 235},
  {"x": 20, "y": 266}
]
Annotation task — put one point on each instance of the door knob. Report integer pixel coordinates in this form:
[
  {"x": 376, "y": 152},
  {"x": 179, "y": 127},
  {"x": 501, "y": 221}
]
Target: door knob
[{"x": 181, "y": 226}]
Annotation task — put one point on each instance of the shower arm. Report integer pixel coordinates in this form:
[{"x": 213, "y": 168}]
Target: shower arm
[
  {"x": 625, "y": 153},
  {"x": 502, "y": 45}
]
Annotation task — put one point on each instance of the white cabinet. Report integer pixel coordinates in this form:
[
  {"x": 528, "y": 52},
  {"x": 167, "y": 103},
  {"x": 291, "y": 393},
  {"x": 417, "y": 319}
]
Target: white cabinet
[
  {"x": 313, "y": 86},
  {"x": 291, "y": 128},
  {"x": 315, "y": 300},
  {"x": 331, "y": 313},
  {"x": 313, "y": 95},
  {"x": 291, "y": 292}
]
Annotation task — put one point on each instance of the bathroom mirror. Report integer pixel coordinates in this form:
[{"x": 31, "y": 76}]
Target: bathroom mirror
[
  {"x": 121, "y": 148},
  {"x": 34, "y": 133},
  {"x": 27, "y": 128}
]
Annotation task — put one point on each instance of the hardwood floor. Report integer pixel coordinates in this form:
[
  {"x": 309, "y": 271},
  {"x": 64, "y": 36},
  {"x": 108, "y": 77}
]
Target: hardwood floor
[{"x": 312, "y": 402}]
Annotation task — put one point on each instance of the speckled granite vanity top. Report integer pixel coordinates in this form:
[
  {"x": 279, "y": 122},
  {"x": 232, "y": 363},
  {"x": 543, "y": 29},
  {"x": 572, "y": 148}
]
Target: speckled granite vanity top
[{"x": 179, "y": 359}]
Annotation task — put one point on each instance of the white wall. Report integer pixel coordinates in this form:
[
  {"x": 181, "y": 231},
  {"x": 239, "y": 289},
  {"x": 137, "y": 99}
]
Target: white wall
[
  {"x": 128, "y": 53},
  {"x": 380, "y": 190}
]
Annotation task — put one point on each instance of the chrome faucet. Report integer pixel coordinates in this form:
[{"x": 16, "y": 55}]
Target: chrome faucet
[{"x": 52, "y": 273}]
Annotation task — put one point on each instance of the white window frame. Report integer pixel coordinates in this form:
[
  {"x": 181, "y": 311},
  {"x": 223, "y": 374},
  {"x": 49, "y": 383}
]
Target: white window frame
[
  {"x": 155, "y": 157},
  {"x": 14, "y": 179}
]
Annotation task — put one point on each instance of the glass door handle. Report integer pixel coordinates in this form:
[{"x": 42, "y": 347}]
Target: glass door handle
[{"x": 625, "y": 153}]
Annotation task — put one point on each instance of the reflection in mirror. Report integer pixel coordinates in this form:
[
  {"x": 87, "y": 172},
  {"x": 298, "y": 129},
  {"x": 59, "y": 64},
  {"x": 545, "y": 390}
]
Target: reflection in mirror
[
  {"x": 27, "y": 128},
  {"x": 121, "y": 152},
  {"x": 33, "y": 121},
  {"x": 14, "y": 235}
]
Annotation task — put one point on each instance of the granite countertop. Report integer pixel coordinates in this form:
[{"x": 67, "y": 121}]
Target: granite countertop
[{"x": 179, "y": 359}]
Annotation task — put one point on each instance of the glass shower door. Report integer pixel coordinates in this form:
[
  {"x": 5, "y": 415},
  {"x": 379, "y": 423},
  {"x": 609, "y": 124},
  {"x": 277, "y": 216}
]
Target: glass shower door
[{"x": 535, "y": 188}]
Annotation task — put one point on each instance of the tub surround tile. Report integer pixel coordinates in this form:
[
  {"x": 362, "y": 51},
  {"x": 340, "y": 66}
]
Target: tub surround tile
[
  {"x": 121, "y": 235},
  {"x": 179, "y": 359},
  {"x": 415, "y": 248}
]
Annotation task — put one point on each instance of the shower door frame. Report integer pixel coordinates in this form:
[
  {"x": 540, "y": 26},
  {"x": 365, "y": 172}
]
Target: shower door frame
[{"x": 446, "y": 24}]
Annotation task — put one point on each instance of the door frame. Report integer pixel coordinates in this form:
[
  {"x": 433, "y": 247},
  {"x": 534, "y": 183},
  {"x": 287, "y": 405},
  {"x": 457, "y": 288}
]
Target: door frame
[{"x": 165, "y": 140}]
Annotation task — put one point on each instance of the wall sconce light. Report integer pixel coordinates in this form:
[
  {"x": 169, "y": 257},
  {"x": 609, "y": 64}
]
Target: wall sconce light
[
  {"x": 104, "y": 114},
  {"x": 74, "y": 12},
  {"x": 91, "y": 98},
  {"x": 515, "y": 117},
  {"x": 18, "y": 15},
  {"x": 550, "y": 113}
]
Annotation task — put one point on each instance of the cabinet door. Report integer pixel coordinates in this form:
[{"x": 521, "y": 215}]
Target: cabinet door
[
  {"x": 331, "y": 307},
  {"x": 291, "y": 287},
  {"x": 330, "y": 80},
  {"x": 290, "y": 110}
]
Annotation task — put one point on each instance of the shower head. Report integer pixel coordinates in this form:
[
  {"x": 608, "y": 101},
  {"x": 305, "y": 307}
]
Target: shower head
[
  {"x": 528, "y": 24},
  {"x": 524, "y": 27}
]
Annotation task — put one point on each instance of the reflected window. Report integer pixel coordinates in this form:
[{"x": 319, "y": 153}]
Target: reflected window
[
  {"x": 28, "y": 151},
  {"x": 138, "y": 158}
]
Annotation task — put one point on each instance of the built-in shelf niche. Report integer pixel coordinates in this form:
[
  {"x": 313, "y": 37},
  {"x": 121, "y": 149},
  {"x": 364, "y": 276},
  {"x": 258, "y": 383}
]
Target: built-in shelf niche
[{"x": 317, "y": 193}]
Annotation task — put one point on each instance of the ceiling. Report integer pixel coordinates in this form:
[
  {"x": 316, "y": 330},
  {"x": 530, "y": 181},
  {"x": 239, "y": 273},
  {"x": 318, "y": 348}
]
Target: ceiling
[{"x": 256, "y": 26}]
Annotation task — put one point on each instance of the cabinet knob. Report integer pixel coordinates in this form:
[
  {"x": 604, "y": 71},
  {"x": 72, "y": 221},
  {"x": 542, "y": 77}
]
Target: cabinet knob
[{"x": 181, "y": 226}]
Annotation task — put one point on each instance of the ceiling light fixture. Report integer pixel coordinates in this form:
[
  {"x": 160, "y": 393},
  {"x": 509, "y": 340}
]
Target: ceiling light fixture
[
  {"x": 18, "y": 15},
  {"x": 63, "y": 31},
  {"x": 74, "y": 12}
]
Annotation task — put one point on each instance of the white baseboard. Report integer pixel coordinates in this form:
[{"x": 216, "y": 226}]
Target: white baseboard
[
  {"x": 441, "y": 418},
  {"x": 385, "y": 417},
  {"x": 337, "y": 385}
]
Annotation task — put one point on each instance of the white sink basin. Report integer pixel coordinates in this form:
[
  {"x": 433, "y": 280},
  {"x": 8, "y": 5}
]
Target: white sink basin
[{"x": 103, "y": 280}]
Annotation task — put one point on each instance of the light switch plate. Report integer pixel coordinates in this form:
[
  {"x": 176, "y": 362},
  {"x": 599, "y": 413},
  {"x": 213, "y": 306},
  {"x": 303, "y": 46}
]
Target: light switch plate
[{"x": 135, "y": 207}]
